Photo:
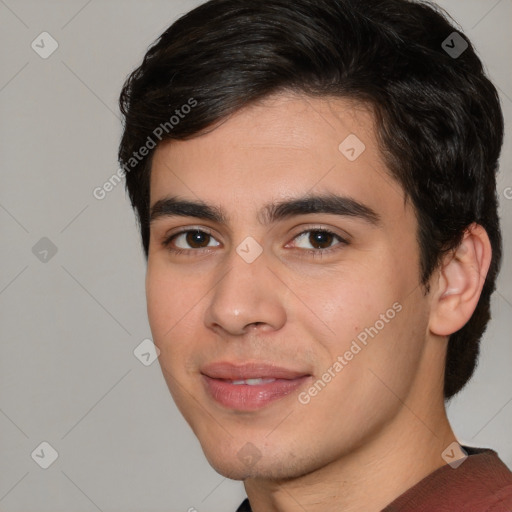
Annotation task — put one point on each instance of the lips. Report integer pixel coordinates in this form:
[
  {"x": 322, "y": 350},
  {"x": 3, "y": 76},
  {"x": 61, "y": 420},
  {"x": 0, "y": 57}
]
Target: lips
[
  {"x": 250, "y": 386},
  {"x": 231, "y": 371}
]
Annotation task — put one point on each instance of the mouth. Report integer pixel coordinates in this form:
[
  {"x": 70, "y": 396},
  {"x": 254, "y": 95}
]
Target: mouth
[{"x": 250, "y": 386}]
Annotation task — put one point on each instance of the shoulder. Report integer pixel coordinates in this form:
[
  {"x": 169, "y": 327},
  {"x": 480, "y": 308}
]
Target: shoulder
[{"x": 482, "y": 483}]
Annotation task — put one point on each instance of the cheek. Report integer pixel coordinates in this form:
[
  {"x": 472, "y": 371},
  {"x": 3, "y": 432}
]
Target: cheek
[
  {"x": 371, "y": 302},
  {"x": 159, "y": 302},
  {"x": 342, "y": 302},
  {"x": 174, "y": 317},
  {"x": 170, "y": 299},
  {"x": 169, "y": 318}
]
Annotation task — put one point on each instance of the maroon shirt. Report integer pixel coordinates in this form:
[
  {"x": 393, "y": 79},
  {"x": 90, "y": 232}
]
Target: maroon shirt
[{"x": 482, "y": 483}]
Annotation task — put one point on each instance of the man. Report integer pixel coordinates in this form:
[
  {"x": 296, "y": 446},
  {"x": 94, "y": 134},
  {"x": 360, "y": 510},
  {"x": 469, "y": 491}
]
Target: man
[{"x": 315, "y": 185}]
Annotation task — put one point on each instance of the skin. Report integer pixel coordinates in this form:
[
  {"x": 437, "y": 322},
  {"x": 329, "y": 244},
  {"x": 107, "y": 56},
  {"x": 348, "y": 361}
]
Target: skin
[{"x": 380, "y": 423}]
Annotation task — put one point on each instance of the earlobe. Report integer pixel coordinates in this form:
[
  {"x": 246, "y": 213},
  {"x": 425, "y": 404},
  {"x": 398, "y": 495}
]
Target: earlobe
[{"x": 460, "y": 282}]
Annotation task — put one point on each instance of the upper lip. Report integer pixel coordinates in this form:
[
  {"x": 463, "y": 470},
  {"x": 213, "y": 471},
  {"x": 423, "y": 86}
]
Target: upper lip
[{"x": 250, "y": 370}]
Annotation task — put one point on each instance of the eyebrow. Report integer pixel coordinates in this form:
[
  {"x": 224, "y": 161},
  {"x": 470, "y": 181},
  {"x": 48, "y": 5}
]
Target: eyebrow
[{"x": 270, "y": 213}]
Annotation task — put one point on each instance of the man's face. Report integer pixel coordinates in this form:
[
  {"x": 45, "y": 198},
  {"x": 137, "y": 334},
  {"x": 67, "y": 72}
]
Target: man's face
[{"x": 262, "y": 294}]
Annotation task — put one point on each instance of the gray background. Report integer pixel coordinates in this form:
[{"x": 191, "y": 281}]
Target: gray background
[{"x": 68, "y": 375}]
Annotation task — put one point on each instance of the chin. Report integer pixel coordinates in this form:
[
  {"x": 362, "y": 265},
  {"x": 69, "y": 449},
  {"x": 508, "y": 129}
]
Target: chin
[{"x": 276, "y": 466}]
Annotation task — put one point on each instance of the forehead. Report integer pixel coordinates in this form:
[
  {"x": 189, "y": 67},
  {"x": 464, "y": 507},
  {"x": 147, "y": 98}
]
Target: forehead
[{"x": 282, "y": 147}]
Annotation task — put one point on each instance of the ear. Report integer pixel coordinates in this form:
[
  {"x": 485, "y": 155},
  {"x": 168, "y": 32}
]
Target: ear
[{"x": 460, "y": 281}]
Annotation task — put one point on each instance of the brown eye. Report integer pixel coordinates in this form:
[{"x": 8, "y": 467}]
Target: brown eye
[
  {"x": 189, "y": 240},
  {"x": 197, "y": 239},
  {"x": 318, "y": 239}
]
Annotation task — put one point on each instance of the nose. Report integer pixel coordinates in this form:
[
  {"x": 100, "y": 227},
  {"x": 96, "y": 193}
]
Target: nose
[{"x": 248, "y": 296}]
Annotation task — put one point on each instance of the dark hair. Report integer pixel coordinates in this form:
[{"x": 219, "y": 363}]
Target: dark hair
[{"x": 439, "y": 119}]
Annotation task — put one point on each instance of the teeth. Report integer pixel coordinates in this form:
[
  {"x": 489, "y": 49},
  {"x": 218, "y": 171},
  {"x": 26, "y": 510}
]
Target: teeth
[{"x": 252, "y": 382}]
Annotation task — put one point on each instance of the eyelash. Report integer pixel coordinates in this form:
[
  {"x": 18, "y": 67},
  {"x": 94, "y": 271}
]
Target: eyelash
[{"x": 316, "y": 253}]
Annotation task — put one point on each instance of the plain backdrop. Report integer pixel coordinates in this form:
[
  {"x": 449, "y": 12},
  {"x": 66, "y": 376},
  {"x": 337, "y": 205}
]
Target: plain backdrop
[{"x": 72, "y": 300}]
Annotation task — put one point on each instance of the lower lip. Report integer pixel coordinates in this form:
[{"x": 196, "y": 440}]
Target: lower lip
[{"x": 244, "y": 397}]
